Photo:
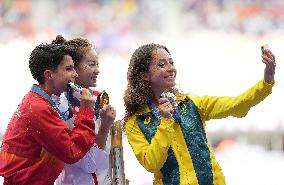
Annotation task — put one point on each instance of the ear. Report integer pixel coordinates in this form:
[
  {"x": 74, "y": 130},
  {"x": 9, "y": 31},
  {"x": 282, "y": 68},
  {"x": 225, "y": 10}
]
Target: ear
[
  {"x": 145, "y": 76},
  {"x": 47, "y": 74}
]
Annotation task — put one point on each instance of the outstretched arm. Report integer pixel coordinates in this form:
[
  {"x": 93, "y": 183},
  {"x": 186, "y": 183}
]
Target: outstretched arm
[{"x": 213, "y": 107}]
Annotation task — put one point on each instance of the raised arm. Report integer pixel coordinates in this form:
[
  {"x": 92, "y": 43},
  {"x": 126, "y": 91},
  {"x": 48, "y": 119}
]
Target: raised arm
[
  {"x": 213, "y": 107},
  {"x": 56, "y": 137},
  {"x": 107, "y": 116}
]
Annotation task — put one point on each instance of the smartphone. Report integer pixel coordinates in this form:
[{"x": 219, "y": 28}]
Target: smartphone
[{"x": 264, "y": 47}]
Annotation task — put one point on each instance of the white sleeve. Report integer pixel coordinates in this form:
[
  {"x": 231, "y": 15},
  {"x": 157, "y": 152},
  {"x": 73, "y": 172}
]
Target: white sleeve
[
  {"x": 95, "y": 161},
  {"x": 105, "y": 176}
]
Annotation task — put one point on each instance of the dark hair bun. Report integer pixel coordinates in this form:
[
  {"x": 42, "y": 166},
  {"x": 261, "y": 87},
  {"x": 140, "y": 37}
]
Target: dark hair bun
[{"x": 59, "y": 40}]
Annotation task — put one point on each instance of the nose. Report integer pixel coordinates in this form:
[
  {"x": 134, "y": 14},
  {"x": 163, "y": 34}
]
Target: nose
[
  {"x": 97, "y": 71},
  {"x": 75, "y": 74},
  {"x": 171, "y": 68}
]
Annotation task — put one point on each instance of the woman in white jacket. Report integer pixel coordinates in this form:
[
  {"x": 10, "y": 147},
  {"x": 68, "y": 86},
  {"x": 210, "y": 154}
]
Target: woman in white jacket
[{"x": 94, "y": 167}]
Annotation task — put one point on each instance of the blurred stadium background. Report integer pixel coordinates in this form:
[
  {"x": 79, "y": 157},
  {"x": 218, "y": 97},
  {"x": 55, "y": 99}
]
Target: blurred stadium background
[{"x": 216, "y": 48}]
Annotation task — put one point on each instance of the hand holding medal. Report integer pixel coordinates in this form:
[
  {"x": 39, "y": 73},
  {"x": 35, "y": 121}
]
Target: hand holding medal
[{"x": 167, "y": 104}]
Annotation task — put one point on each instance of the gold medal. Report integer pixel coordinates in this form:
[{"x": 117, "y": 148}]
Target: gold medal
[{"x": 104, "y": 99}]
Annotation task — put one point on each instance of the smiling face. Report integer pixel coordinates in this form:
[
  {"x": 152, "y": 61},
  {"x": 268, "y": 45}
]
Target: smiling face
[
  {"x": 88, "y": 69},
  {"x": 59, "y": 77},
  {"x": 162, "y": 73}
]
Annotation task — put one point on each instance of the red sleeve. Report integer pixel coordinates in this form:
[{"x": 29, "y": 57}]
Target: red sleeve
[{"x": 55, "y": 136}]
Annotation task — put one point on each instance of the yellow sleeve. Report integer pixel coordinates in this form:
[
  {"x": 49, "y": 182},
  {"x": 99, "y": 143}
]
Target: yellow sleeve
[
  {"x": 151, "y": 156},
  {"x": 213, "y": 107}
]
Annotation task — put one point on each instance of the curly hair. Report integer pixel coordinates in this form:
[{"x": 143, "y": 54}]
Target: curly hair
[
  {"x": 81, "y": 45},
  {"x": 47, "y": 56},
  {"x": 138, "y": 91}
]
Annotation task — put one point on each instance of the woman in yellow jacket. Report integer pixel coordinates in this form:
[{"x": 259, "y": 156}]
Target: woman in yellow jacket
[{"x": 167, "y": 134}]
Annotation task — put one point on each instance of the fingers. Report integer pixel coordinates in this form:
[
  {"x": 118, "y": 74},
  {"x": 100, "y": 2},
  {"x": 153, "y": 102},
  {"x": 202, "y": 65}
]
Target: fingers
[
  {"x": 109, "y": 110},
  {"x": 165, "y": 108},
  {"x": 86, "y": 99},
  {"x": 164, "y": 103},
  {"x": 271, "y": 55},
  {"x": 107, "y": 114},
  {"x": 269, "y": 59},
  {"x": 85, "y": 92},
  {"x": 163, "y": 100}
]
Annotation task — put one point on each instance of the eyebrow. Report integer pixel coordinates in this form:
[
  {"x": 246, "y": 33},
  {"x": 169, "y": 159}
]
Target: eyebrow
[
  {"x": 165, "y": 60},
  {"x": 70, "y": 65},
  {"x": 93, "y": 61}
]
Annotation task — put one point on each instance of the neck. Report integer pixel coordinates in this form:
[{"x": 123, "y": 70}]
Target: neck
[
  {"x": 49, "y": 89},
  {"x": 157, "y": 93}
]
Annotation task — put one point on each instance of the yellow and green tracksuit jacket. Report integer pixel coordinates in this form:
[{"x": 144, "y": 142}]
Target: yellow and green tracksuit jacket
[{"x": 176, "y": 150}]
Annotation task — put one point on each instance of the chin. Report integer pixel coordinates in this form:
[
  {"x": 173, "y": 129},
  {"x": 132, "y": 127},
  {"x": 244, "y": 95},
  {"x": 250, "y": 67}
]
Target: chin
[
  {"x": 92, "y": 85},
  {"x": 171, "y": 85}
]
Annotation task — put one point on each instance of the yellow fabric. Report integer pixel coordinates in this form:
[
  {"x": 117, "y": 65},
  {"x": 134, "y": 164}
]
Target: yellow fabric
[
  {"x": 153, "y": 156},
  {"x": 214, "y": 107}
]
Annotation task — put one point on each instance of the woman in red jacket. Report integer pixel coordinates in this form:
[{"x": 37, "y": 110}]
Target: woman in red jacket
[{"x": 37, "y": 141}]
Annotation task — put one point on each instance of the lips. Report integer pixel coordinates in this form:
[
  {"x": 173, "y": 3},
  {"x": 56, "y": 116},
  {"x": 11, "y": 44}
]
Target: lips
[
  {"x": 171, "y": 76},
  {"x": 71, "y": 80},
  {"x": 94, "y": 78}
]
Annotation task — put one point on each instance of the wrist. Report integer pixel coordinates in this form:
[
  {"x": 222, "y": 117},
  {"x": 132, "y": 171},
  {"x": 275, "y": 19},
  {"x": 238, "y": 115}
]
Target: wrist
[
  {"x": 104, "y": 128},
  {"x": 269, "y": 80}
]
